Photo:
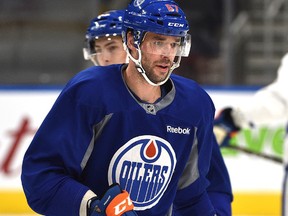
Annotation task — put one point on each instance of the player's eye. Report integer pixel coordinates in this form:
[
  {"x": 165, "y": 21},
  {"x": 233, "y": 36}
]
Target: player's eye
[
  {"x": 98, "y": 51},
  {"x": 112, "y": 48},
  {"x": 158, "y": 44},
  {"x": 175, "y": 45}
]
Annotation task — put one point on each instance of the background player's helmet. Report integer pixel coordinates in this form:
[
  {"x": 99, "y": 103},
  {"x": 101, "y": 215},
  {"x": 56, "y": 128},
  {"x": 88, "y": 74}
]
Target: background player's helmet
[
  {"x": 158, "y": 16},
  {"x": 108, "y": 24}
]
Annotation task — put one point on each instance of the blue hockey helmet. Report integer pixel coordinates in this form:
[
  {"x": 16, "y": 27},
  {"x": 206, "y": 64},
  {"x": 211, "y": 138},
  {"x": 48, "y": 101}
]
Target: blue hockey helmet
[
  {"x": 163, "y": 17},
  {"x": 108, "y": 24},
  {"x": 158, "y": 16}
]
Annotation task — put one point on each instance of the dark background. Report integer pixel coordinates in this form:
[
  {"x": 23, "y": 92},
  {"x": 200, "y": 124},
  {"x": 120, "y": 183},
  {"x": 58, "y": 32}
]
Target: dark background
[{"x": 236, "y": 42}]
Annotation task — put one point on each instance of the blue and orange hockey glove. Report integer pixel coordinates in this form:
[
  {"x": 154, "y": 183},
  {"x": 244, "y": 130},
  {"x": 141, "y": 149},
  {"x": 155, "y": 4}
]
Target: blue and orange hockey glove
[
  {"x": 225, "y": 127},
  {"x": 115, "y": 202}
]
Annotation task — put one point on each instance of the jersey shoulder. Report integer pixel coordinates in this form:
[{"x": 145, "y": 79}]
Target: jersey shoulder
[
  {"x": 94, "y": 80},
  {"x": 189, "y": 87},
  {"x": 94, "y": 74},
  {"x": 195, "y": 98},
  {"x": 94, "y": 83}
]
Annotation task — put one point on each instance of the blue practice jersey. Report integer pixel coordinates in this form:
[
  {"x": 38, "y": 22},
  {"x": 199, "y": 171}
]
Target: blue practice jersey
[{"x": 98, "y": 133}]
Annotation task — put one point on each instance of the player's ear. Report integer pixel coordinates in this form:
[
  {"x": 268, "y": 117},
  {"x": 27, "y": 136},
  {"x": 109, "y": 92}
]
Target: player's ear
[
  {"x": 130, "y": 41},
  {"x": 130, "y": 45}
]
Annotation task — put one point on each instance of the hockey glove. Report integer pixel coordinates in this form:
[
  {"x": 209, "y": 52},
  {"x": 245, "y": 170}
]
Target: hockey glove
[
  {"x": 225, "y": 127},
  {"x": 115, "y": 202}
]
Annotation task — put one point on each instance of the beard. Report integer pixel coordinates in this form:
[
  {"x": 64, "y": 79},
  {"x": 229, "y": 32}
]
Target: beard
[{"x": 149, "y": 68}]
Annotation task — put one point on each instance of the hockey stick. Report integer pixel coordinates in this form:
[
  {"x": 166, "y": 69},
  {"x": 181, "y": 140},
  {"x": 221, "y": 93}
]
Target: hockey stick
[{"x": 258, "y": 154}]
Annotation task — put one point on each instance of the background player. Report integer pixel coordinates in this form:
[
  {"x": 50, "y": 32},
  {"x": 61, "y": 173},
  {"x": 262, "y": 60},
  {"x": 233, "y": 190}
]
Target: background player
[
  {"x": 103, "y": 40},
  {"x": 92, "y": 138},
  {"x": 267, "y": 106}
]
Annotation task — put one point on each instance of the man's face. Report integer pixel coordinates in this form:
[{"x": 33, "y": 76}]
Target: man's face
[
  {"x": 109, "y": 50},
  {"x": 158, "y": 52}
]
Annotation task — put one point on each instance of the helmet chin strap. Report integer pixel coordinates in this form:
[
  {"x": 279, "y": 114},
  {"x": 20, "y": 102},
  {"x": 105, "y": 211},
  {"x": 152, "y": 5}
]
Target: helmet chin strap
[{"x": 141, "y": 70}]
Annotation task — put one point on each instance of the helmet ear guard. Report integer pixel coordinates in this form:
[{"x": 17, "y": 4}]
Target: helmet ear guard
[{"x": 128, "y": 51}]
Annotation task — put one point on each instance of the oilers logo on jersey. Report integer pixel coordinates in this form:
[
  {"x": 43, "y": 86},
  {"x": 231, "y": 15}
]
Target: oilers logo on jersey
[{"x": 144, "y": 167}]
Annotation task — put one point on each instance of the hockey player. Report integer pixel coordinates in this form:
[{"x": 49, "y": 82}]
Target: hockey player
[
  {"x": 130, "y": 131},
  {"x": 103, "y": 40},
  {"x": 107, "y": 27},
  {"x": 268, "y": 105}
]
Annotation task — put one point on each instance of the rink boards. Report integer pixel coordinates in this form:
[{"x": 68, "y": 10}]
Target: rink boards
[{"x": 256, "y": 182}]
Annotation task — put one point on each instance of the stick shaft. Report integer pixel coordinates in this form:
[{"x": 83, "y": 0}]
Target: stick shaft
[{"x": 262, "y": 155}]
